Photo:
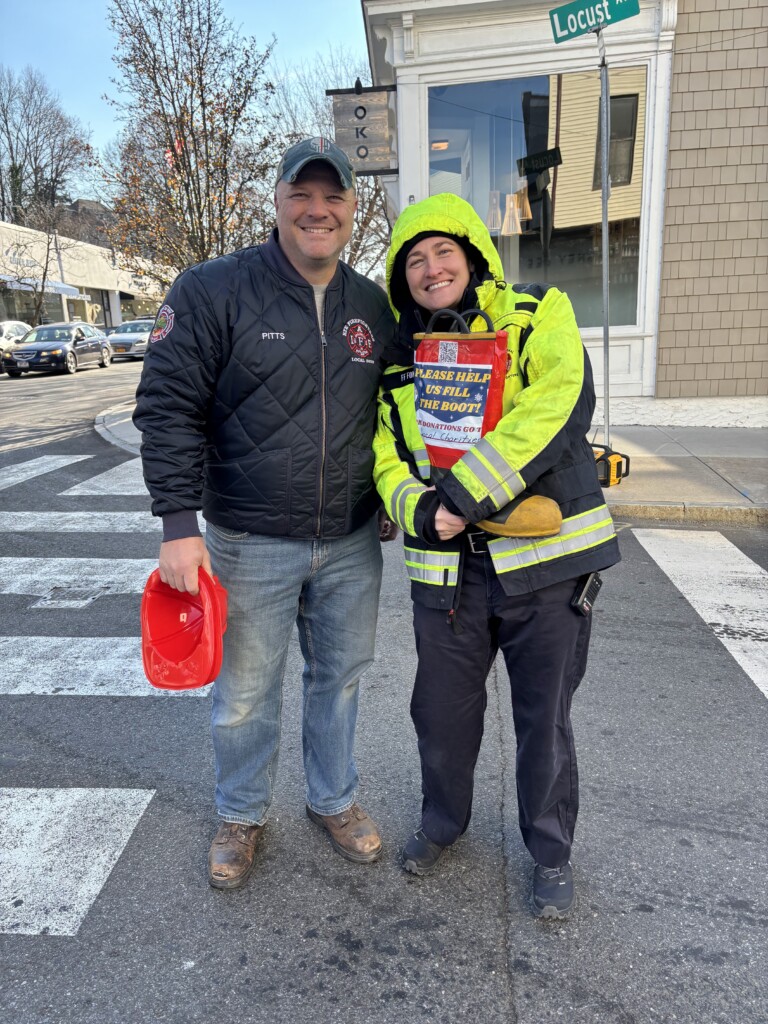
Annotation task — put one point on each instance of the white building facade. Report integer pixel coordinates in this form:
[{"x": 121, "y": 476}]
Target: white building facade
[
  {"x": 79, "y": 281},
  {"x": 490, "y": 107}
]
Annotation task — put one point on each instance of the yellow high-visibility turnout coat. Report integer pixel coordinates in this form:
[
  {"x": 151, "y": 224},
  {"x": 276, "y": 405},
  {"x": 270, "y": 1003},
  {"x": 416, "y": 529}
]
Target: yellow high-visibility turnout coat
[{"x": 538, "y": 447}]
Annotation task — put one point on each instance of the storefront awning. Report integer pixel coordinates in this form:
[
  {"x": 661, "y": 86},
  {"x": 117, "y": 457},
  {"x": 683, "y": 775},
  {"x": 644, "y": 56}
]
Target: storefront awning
[{"x": 30, "y": 284}]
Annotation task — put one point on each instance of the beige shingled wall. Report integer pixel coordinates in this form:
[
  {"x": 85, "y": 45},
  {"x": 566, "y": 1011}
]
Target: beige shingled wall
[{"x": 713, "y": 324}]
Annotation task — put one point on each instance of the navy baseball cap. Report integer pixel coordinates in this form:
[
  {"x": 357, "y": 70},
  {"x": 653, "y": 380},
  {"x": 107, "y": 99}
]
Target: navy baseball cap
[{"x": 318, "y": 148}]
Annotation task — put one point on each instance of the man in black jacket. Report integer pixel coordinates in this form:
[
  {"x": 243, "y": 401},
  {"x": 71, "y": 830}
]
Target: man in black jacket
[{"x": 257, "y": 405}]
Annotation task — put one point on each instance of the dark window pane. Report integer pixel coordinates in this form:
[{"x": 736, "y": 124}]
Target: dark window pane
[{"x": 622, "y": 147}]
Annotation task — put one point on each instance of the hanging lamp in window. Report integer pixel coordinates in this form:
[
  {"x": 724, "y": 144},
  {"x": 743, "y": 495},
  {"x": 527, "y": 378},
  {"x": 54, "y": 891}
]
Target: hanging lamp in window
[
  {"x": 493, "y": 220},
  {"x": 511, "y": 225},
  {"x": 523, "y": 205}
]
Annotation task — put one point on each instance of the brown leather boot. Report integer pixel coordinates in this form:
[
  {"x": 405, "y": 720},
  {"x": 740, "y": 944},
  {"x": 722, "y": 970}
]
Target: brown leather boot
[
  {"x": 352, "y": 833},
  {"x": 232, "y": 855}
]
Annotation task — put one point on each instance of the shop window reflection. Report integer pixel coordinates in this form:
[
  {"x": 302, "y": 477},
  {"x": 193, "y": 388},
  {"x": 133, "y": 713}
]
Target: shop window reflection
[
  {"x": 622, "y": 148},
  {"x": 546, "y": 222}
]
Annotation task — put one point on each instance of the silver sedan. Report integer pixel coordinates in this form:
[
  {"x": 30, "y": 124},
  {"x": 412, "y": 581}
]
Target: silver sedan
[{"x": 130, "y": 340}]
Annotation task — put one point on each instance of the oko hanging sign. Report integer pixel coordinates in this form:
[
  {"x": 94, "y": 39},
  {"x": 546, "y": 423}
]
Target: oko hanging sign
[{"x": 364, "y": 128}]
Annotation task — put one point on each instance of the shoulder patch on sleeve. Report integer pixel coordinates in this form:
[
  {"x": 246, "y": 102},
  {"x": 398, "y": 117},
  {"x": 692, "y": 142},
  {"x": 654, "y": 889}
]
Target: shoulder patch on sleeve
[{"x": 163, "y": 324}]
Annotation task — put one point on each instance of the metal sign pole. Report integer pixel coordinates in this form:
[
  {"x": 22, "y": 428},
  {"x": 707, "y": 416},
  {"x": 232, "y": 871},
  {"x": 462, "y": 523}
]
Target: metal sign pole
[{"x": 605, "y": 140}]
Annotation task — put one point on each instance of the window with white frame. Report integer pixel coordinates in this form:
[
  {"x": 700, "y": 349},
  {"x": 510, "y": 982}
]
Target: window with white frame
[{"x": 522, "y": 152}]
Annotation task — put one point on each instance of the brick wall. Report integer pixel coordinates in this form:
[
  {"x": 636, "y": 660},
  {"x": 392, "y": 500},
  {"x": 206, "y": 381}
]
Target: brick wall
[{"x": 713, "y": 322}]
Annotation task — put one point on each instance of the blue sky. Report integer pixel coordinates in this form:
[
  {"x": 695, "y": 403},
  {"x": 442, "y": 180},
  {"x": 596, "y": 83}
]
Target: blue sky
[{"x": 71, "y": 44}]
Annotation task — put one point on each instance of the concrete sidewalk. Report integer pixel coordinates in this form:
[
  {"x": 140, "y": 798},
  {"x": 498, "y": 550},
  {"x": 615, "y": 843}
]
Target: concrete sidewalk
[{"x": 692, "y": 474}]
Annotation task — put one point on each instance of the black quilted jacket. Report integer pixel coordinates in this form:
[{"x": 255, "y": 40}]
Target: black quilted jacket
[{"x": 247, "y": 413}]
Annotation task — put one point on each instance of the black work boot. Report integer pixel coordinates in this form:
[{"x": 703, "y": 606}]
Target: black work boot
[
  {"x": 552, "y": 891},
  {"x": 420, "y": 854}
]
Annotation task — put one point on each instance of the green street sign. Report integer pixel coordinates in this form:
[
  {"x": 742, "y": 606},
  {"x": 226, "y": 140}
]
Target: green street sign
[{"x": 581, "y": 16}]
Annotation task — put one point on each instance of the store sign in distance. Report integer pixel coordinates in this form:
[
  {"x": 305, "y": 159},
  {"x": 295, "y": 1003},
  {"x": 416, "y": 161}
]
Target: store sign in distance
[{"x": 581, "y": 16}]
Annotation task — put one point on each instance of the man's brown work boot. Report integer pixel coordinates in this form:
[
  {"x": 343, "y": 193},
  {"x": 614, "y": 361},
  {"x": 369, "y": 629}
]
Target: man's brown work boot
[
  {"x": 233, "y": 854},
  {"x": 352, "y": 833}
]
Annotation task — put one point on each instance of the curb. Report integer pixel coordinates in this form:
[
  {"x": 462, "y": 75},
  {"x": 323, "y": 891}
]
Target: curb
[
  {"x": 101, "y": 426},
  {"x": 690, "y": 512},
  {"x": 671, "y": 511}
]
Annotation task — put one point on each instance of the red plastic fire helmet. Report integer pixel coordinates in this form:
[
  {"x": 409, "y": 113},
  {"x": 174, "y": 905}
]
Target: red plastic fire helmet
[{"x": 181, "y": 633}]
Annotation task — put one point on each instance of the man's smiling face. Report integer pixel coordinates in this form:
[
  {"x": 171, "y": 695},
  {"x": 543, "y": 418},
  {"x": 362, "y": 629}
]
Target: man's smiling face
[
  {"x": 315, "y": 217},
  {"x": 437, "y": 272}
]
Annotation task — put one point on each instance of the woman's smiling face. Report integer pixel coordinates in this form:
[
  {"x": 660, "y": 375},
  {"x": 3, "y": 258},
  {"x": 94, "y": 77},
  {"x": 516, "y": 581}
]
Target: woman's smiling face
[{"x": 437, "y": 271}]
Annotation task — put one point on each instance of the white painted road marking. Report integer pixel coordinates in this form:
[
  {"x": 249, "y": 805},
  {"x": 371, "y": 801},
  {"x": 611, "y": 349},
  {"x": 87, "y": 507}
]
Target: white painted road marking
[
  {"x": 727, "y": 589},
  {"x": 78, "y": 666},
  {"x": 59, "y": 847},
  {"x": 38, "y": 576},
  {"x": 127, "y": 478},
  {"x": 83, "y": 522},
  {"x": 23, "y": 471}
]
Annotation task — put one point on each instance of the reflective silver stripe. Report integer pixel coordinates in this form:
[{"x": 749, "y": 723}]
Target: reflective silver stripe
[
  {"x": 432, "y": 566},
  {"x": 442, "y": 559},
  {"x": 400, "y": 497},
  {"x": 492, "y": 457},
  {"x": 577, "y": 534},
  {"x": 500, "y": 491},
  {"x": 422, "y": 463}
]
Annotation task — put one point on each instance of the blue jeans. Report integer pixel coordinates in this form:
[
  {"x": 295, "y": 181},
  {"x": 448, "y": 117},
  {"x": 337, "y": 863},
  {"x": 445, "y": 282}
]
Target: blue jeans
[{"x": 330, "y": 588}]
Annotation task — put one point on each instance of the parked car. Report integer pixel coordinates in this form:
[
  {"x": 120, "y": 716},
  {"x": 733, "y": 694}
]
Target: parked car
[
  {"x": 130, "y": 340},
  {"x": 11, "y": 333},
  {"x": 64, "y": 347}
]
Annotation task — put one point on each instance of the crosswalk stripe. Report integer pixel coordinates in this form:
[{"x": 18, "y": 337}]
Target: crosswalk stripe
[
  {"x": 79, "y": 522},
  {"x": 727, "y": 589},
  {"x": 83, "y": 522},
  {"x": 108, "y": 666},
  {"x": 23, "y": 471},
  {"x": 38, "y": 576},
  {"x": 127, "y": 478},
  {"x": 59, "y": 847}
]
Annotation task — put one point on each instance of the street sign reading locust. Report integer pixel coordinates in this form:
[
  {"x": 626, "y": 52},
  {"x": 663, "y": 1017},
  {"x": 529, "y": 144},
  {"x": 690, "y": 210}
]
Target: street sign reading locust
[{"x": 582, "y": 16}]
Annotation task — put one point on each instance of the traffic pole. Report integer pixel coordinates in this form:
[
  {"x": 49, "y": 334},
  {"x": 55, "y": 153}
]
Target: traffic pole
[{"x": 605, "y": 184}]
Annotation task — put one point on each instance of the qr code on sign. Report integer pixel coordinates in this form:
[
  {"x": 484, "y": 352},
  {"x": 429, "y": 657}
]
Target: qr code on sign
[{"x": 448, "y": 352}]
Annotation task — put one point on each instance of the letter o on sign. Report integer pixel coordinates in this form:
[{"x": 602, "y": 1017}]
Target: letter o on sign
[
  {"x": 362, "y": 152},
  {"x": 360, "y": 113}
]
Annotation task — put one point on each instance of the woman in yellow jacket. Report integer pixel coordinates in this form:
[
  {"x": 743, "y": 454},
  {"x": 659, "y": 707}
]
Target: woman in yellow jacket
[{"x": 476, "y": 591}]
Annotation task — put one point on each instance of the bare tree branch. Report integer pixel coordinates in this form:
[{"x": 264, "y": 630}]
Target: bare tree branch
[
  {"x": 186, "y": 179},
  {"x": 41, "y": 147}
]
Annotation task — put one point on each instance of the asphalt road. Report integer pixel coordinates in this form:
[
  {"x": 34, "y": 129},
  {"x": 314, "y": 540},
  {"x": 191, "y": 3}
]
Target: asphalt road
[{"x": 106, "y": 802}]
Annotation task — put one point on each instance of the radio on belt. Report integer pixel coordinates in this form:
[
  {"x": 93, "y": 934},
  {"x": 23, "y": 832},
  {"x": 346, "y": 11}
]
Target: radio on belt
[{"x": 586, "y": 593}]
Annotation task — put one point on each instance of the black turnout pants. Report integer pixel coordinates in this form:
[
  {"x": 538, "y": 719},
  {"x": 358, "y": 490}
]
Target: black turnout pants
[{"x": 544, "y": 643}]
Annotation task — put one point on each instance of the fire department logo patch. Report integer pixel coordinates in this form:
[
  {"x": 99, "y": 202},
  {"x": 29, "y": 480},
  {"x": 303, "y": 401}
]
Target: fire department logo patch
[
  {"x": 359, "y": 338},
  {"x": 163, "y": 324}
]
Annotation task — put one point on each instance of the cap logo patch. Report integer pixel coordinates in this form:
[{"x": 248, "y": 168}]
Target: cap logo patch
[
  {"x": 163, "y": 324},
  {"x": 359, "y": 337}
]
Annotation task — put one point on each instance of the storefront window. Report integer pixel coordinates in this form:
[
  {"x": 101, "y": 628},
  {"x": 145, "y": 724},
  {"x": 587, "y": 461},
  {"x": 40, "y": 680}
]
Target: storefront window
[
  {"x": 18, "y": 304},
  {"x": 522, "y": 152}
]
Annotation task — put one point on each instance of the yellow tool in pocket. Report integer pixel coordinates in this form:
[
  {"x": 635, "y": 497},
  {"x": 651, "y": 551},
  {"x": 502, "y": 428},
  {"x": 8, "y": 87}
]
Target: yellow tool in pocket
[{"x": 611, "y": 466}]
